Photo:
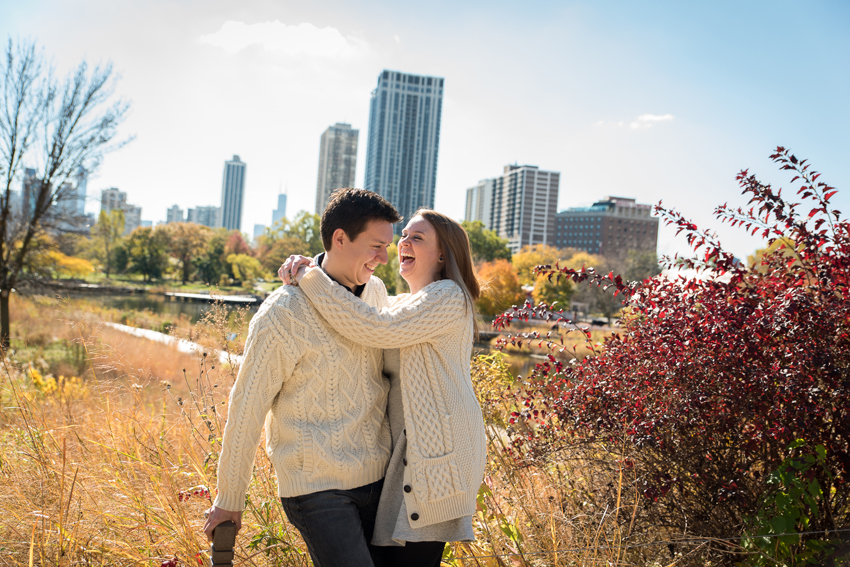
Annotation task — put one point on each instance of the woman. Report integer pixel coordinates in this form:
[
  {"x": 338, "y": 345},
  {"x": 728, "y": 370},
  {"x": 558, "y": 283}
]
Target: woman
[{"x": 439, "y": 444}]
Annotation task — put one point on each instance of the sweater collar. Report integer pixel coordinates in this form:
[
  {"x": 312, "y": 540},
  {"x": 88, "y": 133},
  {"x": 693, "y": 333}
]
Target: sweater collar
[{"x": 357, "y": 291}]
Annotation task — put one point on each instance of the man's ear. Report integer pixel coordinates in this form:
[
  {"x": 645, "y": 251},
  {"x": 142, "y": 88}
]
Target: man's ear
[{"x": 339, "y": 238}]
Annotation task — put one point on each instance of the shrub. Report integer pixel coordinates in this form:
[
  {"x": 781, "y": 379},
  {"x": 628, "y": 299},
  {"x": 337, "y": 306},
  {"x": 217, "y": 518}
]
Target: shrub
[{"x": 714, "y": 377}]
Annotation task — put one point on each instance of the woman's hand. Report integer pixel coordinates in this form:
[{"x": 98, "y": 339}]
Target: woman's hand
[{"x": 291, "y": 272}]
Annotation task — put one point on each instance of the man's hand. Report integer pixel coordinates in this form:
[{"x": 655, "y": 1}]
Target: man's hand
[
  {"x": 217, "y": 516},
  {"x": 289, "y": 269}
]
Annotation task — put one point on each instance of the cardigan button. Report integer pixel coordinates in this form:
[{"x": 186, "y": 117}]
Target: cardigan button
[
  {"x": 414, "y": 516},
  {"x": 407, "y": 488},
  {"x": 404, "y": 461}
]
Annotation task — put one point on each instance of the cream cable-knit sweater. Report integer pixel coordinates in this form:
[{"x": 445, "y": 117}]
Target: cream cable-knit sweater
[
  {"x": 321, "y": 396},
  {"x": 445, "y": 431}
]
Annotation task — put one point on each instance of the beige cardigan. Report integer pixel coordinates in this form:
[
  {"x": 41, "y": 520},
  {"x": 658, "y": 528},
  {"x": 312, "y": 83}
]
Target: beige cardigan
[
  {"x": 321, "y": 396},
  {"x": 445, "y": 430}
]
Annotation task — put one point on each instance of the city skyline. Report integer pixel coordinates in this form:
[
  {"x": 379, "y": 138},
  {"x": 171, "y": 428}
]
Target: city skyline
[{"x": 660, "y": 101}]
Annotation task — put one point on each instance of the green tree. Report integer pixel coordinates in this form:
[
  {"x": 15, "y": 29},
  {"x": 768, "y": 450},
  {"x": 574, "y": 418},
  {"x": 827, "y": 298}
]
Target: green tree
[
  {"x": 299, "y": 236},
  {"x": 640, "y": 265},
  {"x": 211, "y": 265},
  {"x": 244, "y": 268},
  {"x": 486, "y": 245},
  {"x": 556, "y": 292},
  {"x": 188, "y": 242},
  {"x": 388, "y": 273},
  {"x": 106, "y": 236},
  {"x": 148, "y": 252}
]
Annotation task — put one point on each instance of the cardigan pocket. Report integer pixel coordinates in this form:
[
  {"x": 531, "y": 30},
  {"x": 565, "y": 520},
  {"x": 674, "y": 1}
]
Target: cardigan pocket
[{"x": 442, "y": 478}]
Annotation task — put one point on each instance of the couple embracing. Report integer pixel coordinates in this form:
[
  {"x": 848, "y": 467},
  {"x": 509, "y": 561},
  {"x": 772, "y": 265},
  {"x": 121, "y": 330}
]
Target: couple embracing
[{"x": 371, "y": 420}]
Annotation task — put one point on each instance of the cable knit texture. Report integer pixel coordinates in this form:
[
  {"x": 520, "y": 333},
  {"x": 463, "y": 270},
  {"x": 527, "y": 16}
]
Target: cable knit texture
[
  {"x": 445, "y": 431},
  {"x": 321, "y": 396}
]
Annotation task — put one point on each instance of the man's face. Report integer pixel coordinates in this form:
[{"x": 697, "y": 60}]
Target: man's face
[{"x": 356, "y": 260}]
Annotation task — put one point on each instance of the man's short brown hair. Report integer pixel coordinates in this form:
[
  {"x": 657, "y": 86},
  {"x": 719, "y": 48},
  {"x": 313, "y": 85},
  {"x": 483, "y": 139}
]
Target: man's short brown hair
[{"x": 351, "y": 209}]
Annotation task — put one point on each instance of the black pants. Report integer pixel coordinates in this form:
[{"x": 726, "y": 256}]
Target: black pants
[{"x": 414, "y": 554}]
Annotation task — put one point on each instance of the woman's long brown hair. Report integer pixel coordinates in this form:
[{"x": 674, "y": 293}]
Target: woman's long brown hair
[{"x": 457, "y": 257}]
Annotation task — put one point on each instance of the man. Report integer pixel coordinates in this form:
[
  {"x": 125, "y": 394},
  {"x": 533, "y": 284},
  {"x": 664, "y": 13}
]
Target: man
[{"x": 321, "y": 397}]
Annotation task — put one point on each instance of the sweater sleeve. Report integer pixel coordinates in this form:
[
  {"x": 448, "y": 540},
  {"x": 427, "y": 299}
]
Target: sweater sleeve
[
  {"x": 410, "y": 320},
  {"x": 268, "y": 362}
]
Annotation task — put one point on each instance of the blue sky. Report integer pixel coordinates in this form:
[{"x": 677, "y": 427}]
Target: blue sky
[{"x": 652, "y": 100}]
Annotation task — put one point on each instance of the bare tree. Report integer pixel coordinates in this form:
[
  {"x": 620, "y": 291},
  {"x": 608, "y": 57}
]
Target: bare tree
[{"x": 58, "y": 127}]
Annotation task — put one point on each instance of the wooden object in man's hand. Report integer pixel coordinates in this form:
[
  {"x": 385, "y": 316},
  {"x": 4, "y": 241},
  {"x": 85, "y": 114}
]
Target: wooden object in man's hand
[{"x": 221, "y": 550}]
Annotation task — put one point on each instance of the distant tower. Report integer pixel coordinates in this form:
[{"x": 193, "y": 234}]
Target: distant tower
[
  {"x": 337, "y": 162},
  {"x": 404, "y": 138},
  {"x": 112, "y": 199},
  {"x": 232, "y": 193},
  {"x": 174, "y": 214},
  {"x": 81, "y": 184},
  {"x": 280, "y": 211}
]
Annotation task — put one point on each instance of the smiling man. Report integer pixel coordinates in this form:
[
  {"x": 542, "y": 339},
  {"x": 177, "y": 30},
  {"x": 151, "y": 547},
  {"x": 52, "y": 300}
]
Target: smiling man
[{"x": 321, "y": 397}]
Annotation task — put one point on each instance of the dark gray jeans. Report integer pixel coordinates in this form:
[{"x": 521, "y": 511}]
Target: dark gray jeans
[{"x": 337, "y": 525}]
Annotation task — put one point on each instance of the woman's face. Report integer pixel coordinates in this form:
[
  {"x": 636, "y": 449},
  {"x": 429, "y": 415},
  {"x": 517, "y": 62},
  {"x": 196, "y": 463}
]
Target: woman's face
[{"x": 419, "y": 254}]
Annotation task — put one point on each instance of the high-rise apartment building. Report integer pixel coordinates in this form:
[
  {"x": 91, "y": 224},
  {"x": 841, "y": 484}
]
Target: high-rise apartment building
[
  {"x": 132, "y": 218},
  {"x": 232, "y": 193},
  {"x": 519, "y": 206},
  {"x": 337, "y": 162},
  {"x": 29, "y": 193},
  {"x": 174, "y": 214},
  {"x": 112, "y": 199},
  {"x": 280, "y": 212},
  {"x": 609, "y": 227},
  {"x": 404, "y": 138},
  {"x": 205, "y": 216},
  {"x": 479, "y": 202}
]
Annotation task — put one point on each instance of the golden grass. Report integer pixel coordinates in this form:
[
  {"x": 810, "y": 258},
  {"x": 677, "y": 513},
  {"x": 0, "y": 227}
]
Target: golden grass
[{"x": 113, "y": 470}]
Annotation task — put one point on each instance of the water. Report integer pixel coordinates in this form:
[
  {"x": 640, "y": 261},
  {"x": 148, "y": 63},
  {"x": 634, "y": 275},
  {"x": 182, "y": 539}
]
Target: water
[{"x": 156, "y": 304}]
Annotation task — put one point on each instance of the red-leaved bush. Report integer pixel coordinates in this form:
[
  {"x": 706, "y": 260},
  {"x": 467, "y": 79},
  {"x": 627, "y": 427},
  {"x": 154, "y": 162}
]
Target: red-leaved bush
[{"x": 713, "y": 377}]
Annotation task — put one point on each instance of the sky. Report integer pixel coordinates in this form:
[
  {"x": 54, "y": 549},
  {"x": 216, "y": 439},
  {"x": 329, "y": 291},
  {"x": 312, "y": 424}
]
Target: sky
[{"x": 658, "y": 101}]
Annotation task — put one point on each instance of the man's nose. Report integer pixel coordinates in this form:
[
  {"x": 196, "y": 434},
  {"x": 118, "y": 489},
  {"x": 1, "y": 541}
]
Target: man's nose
[{"x": 383, "y": 257}]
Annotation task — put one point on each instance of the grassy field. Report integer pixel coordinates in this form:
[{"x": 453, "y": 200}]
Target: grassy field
[{"x": 108, "y": 448}]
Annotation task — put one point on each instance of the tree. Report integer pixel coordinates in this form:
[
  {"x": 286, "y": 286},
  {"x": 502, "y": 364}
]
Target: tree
[
  {"x": 531, "y": 256},
  {"x": 188, "y": 242},
  {"x": 500, "y": 287},
  {"x": 486, "y": 245},
  {"x": 717, "y": 382},
  {"x": 211, "y": 264},
  {"x": 106, "y": 235},
  {"x": 244, "y": 268},
  {"x": 553, "y": 291},
  {"x": 147, "y": 249},
  {"x": 388, "y": 273},
  {"x": 58, "y": 127},
  {"x": 299, "y": 236}
]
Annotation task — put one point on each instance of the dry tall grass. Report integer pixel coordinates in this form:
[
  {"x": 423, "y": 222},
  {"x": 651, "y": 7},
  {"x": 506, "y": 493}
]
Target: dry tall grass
[{"x": 116, "y": 468}]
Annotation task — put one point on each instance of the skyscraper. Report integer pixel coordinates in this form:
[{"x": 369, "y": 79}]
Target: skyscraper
[
  {"x": 520, "y": 205},
  {"x": 174, "y": 214},
  {"x": 337, "y": 162},
  {"x": 280, "y": 211},
  {"x": 479, "y": 202},
  {"x": 205, "y": 216},
  {"x": 232, "y": 193},
  {"x": 404, "y": 137}
]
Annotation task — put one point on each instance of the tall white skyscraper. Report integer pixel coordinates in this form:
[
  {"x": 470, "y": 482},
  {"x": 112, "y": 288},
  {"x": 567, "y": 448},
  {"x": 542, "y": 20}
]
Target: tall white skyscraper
[
  {"x": 479, "y": 202},
  {"x": 337, "y": 162},
  {"x": 280, "y": 211},
  {"x": 404, "y": 138},
  {"x": 520, "y": 205},
  {"x": 232, "y": 193},
  {"x": 112, "y": 199}
]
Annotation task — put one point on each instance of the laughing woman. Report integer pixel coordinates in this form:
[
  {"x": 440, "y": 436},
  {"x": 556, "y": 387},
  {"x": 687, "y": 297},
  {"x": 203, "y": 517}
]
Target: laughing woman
[{"x": 439, "y": 444}]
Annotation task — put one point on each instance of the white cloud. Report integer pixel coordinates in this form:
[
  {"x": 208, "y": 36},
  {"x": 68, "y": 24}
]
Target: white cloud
[
  {"x": 642, "y": 121},
  {"x": 294, "y": 41}
]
